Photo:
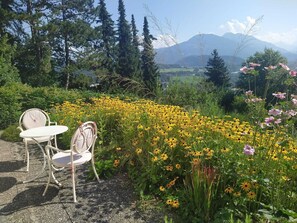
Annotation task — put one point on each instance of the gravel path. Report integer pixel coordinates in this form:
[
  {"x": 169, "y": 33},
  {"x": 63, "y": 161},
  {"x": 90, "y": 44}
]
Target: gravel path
[{"x": 111, "y": 200}]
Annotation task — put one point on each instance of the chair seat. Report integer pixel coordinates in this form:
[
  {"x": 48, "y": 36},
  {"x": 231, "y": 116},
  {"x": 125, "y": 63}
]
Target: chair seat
[
  {"x": 40, "y": 139},
  {"x": 63, "y": 159}
]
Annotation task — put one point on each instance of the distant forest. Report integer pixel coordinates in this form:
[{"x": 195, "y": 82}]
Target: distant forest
[{"x": 57, "y": 42}]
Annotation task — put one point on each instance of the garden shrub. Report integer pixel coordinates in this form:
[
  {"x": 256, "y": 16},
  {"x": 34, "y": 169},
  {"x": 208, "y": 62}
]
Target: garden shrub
[
  {"x": 10, "y": 106},
  {"x": 11, "y": 134}
]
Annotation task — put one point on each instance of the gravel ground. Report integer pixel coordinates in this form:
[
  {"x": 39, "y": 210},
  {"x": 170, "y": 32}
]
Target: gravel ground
[{"x": 111, "y": 200}]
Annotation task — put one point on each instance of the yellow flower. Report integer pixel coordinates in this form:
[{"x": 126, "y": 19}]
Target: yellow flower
[
  {"x": 138, "y": 151},
  {"x": 196, "y": 161},
  {"x": 251, "y": 195},
  {"x": 116, "y": 163},
  {"x": 175, "y": 204},
  {"x": 246, "y": 186},
  {"x": 156, "y": 151},
  {"x": 164, "y": 156},
  {"x": 169, "y": 168},
  {"x": 237, "y": 194},
  {"x": 177, "y": 166},
  {"x": 161, "y": 188},
  {"x": 169, "y": 202},
  {"x": 229, "y": 190},
  {"x": 225, "y": 150},
  {"x": 118, "y": 149},
  {"x": 155, "y": 159}
]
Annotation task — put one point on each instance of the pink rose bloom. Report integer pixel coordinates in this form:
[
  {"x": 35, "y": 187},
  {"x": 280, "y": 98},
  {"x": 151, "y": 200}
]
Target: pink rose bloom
[
  {"x": 293, "y": 73},
  {"x": 279, "y": 95},
  {"x": 255, "y": 64},
  {"x": 270, "y": 67},
  {"x": 244, "y": 69},
  {"x": 284, "y": 66},
  {"x": 248, "y": 150}
]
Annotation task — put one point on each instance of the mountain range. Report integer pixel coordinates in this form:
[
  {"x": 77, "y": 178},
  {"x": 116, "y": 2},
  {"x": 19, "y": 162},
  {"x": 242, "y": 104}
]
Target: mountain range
[{"x": 233, "y": 48}]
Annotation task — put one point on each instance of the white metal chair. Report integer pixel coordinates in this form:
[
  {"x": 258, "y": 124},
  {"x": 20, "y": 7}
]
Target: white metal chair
[
  {"x": 33, "y": 118},
  {"x": 81, "y": 151}
]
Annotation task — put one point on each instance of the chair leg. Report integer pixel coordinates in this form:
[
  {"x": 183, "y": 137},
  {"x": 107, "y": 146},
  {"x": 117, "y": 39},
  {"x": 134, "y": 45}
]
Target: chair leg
[
  {"x": 94, "y": 169},
  {"x": 50, "y": 175},
  {"x": 27, "y": 155},
  {"x": 73, "y": 182}
]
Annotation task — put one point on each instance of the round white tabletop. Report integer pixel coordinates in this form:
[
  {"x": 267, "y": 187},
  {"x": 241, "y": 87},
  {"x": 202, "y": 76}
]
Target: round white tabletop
[{"x": 44, "y": 131}]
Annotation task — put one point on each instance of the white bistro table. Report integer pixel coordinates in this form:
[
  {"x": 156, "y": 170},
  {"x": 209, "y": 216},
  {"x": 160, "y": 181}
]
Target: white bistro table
[{"x": 43, "y": 131}]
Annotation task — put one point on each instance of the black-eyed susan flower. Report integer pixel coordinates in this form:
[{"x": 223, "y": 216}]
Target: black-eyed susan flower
[
  {"x": 229, "y": 190},
  {"x": 161, "y": 188},
  {"x": 164, "y": 156},
  {"x": 177, "y": 166},
  {"x": 251, "y": 195},
  {"x": 175, "y": 204},
  {"x": 237, "y": 194},
  {"x": 246, "y": 186}
]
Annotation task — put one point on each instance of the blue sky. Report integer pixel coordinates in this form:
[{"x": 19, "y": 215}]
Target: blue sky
[{"x": 182, "y": 19}]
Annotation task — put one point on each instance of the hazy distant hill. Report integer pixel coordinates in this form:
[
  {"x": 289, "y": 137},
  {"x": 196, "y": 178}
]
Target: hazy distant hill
[{"x": 233, "y": 48}]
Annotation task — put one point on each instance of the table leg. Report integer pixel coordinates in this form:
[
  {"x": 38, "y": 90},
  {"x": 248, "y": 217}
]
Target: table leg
[{"x": 43, "y": 167}]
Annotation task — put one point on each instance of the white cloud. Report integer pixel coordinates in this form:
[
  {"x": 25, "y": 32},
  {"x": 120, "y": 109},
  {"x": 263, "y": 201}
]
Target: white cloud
[
  {"x": 164, "y": 41},
  {"x": 235, "y": 26}
]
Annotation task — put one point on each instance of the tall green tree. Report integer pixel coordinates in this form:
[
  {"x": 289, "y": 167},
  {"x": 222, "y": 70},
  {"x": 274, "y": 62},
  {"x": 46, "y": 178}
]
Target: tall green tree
[
  {"x": 10, "y": 15},
  {"x": 149, "y": 67},
  {"x": 136, "y": 51},
  {"x": 70, "y": 32},
  {"x": 263, "y": 81},
  {"x": 106, "y": 38},
  {"x": 125, "y": 48},
  {"x": 8, "y": 72},
  {"x": 34, "y": 54},
  {"x": 216, "y": 70}
]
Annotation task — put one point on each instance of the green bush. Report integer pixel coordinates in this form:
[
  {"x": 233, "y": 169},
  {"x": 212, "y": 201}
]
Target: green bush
[
  {"x": 10, "y": 106},
  {"x": 16, "y": 98},
  {"x": 11, "y": 134}
]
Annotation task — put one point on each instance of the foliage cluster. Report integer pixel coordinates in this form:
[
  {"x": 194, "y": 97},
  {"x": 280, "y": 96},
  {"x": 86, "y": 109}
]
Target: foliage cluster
[
  {"x": 68, "y": 39},
  {"x": 16, "y": 98},
  {"x": 205, "y": 168}
]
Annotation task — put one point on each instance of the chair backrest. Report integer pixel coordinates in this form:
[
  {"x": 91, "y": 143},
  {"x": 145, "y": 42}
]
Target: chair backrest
[
  {"x": 84, "y": 137},
  {"x": 34, "y": 117}
]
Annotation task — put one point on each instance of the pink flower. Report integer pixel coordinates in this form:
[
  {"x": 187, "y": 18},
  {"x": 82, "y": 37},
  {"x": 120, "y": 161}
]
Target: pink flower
[
  {"x": 247, "y": 93},
  {"x": 291, "y": 113},
  {"x": 255, "y": 64},
  {"x": 270, "y": 67},
  {"x": 279, "y": 95},
  {"x": 293, "y": 73},
  {"x": 277, "y": 121},
  {"x": 248, "y": 150},
  {"x": 274, "y": 112},
  {"x": 294, "y": 101},
  {"x": 269, "y": 120},
  {"x": 284, "y": 66},
  {"x": 244, "y": 69}
]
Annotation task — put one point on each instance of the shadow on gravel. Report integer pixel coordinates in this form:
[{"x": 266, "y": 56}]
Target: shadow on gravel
[
  {"x": 6, "y": 183},
  {"x": 10, "y": 166},
  {"x": 29, "y": 198}
]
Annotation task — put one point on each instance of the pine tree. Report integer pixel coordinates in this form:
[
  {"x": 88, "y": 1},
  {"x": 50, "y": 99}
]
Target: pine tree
[
  {"x": 107, "y": 36},
  {"x": 125, "y": 49},
  {"x": 149, "y": 68},
  {"x": 69, "y": 29},
  {"x": 216, "y": 70},
  {"x": 136, "y": 52}
]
